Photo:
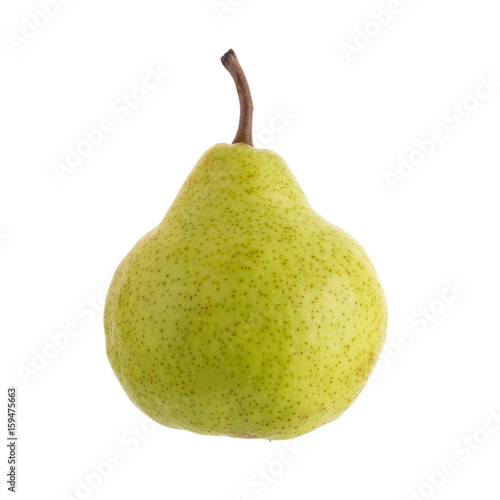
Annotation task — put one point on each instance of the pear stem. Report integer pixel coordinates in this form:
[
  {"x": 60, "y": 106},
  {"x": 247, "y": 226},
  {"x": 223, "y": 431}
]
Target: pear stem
[{"x": 231, "y": 63}]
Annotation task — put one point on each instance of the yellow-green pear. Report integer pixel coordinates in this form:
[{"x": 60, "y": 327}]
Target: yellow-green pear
[{"x": 244, "y": 313}]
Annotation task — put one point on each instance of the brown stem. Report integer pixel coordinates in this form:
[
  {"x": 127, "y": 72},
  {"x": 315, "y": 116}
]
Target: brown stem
[{"x": 231, "y": 63}]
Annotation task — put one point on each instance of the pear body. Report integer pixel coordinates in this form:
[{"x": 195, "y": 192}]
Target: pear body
[{"x": 244, "y": 313}]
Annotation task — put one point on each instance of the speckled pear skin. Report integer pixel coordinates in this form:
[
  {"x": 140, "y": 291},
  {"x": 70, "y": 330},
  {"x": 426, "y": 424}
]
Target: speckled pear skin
[{"x": 244, "y": 313}]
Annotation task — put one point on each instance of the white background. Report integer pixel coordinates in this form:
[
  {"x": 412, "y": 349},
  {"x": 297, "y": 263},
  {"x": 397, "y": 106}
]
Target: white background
[{"x": 434, "y": 236}]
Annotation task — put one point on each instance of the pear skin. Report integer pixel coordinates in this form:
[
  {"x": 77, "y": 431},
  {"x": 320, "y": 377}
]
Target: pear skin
[{"x": 244, "y": 313}]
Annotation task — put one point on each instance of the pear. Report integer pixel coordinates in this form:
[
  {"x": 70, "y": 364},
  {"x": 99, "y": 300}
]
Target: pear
[{"x": 244, "y": 313}]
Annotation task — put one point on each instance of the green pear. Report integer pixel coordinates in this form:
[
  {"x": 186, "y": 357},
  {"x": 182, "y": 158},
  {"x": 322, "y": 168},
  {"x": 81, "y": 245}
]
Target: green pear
[{"x": 244, "y": 313}]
